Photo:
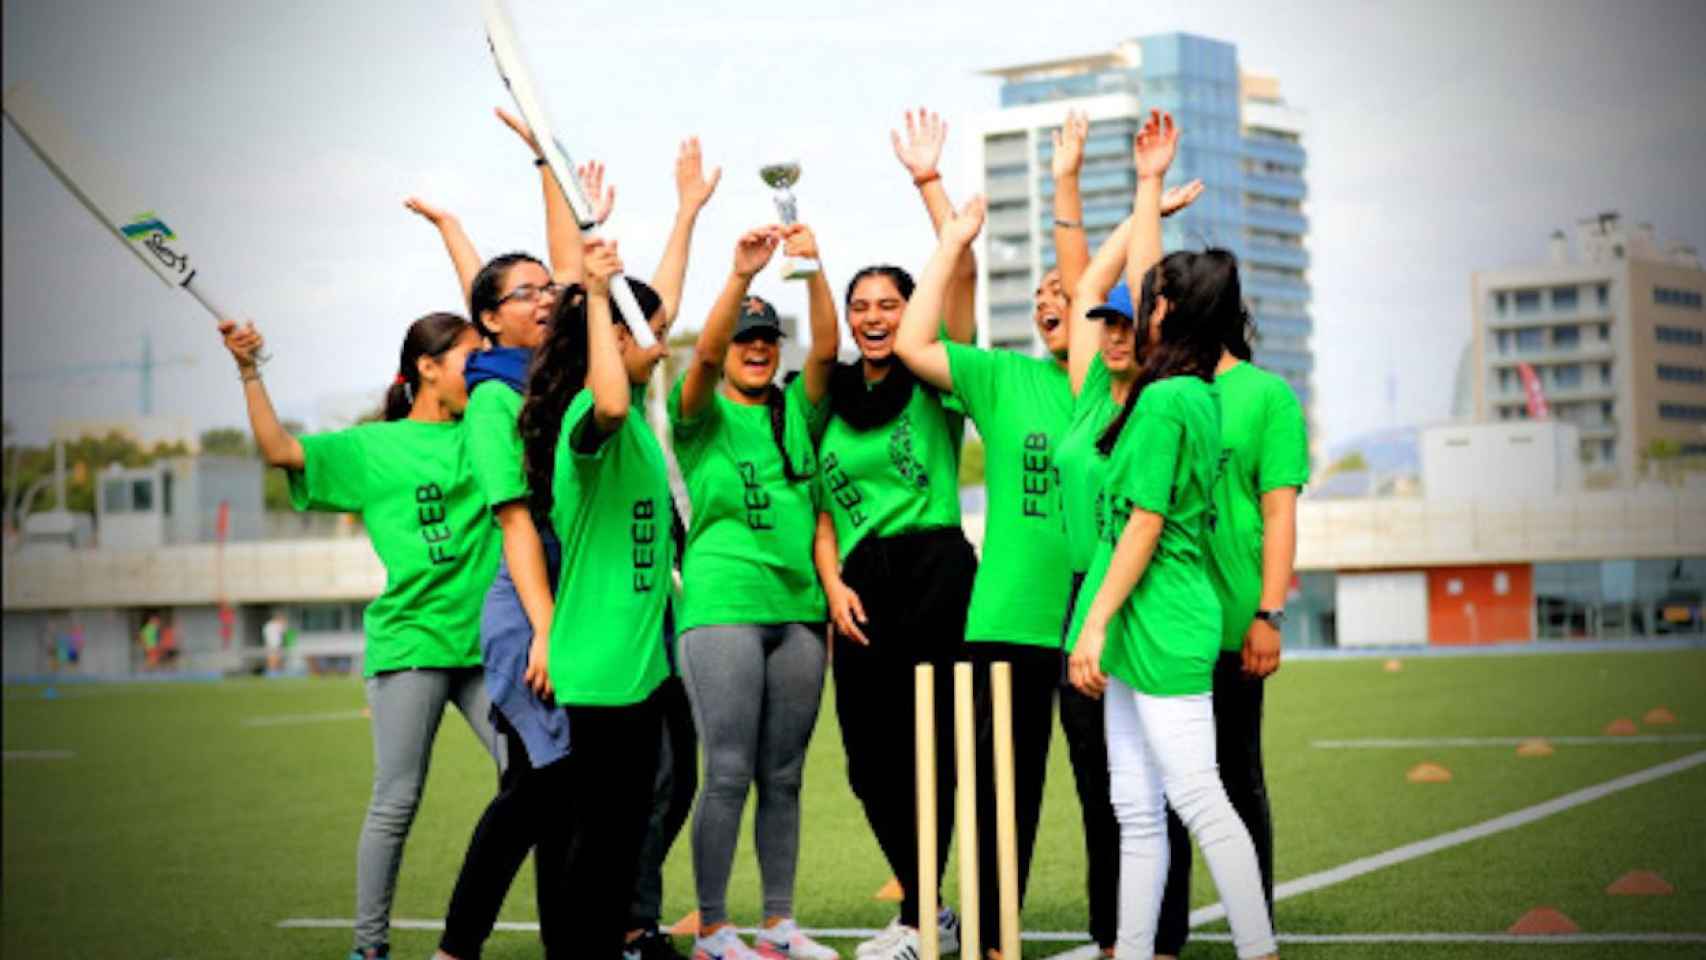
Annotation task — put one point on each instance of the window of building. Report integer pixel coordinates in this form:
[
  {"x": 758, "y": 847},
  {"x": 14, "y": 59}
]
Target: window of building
[
  {"x": 1605, "y": 373},
  {"x": 1504, "y": 379},
  {"x": 1564, "y": 298},
  {"x": 1676, "y": 374},
  {"x": 1605, "y": 409},
  {"x": 1566, "y": 376},
  {"x": 1671, "y": 297},
  {"x": 1608, "y": 450},
  {"x": 1681, "y": 336},
  {"x": 142, "y": 495},
  {"x": 1566, "y": 338},
  {"x": 1527, "y": 301},
  {"x": 1602, "y": 293},
  {"x": 1504, "y": 341},
  {"x": 1682, "y": 411},
  {"x": 115, "y": 494},
  {"x": 1604, "y": 332},
  {"x": 1529, "y": 341},
  {"x": 1500, "y": 301}
]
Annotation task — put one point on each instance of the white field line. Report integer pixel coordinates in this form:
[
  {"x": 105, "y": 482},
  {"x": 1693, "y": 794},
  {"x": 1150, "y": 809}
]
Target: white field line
[
  {"x": 1445, "y": 841},
  {"x": 837, "y": 933},
  {"x": 1379, "y": 743},
  {"x": 38, "y": 754},
  {"x": 289, "y": 719}
]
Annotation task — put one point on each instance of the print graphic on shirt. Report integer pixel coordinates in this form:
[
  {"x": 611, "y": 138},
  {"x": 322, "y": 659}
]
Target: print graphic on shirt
[
  {"x": 1110, "y": 524},
  {"x": 1211, "y": 517},
  {"x": 900, "y": 454},
  {"x": 1039, "y": 474},
  {"x": 756, "y": 497},
  {"x": 645, "y": 534},
  {"x": 429, "y": 501},
  {"x": 843, "y": 491}
]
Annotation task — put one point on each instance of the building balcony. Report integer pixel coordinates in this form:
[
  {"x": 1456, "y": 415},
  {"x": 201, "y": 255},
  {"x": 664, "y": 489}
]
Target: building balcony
[
  {"x": 1008, "y": 188},
  {"x": 1284, "y": 361},
  {"x": 1273, "y": 289},
  {"x": 1275, "y": 151},
  {"x": 1588, "y": 351},
  {"x": 1277, "y": 254},
  {"x": 1271, "y": 185},
  {"x": 1283, "y": 221},
  {"x": 1015, "y": 222},
  {"x": 1282, "y": 324}
]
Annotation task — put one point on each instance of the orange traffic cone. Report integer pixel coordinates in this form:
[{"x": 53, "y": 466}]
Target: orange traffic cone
[
  {"x": 1428, "y": 773},
  {"x": 1640, "y": 883},
  {"x": 687, "y": 926},
  {"x": 889, "y": 891},
  {"x": 1535, "y": 747},
  {"x": 1621, "y": 727},
  {"x": 1543, "y": 921},
  {"x": 1659, "y": 717}
]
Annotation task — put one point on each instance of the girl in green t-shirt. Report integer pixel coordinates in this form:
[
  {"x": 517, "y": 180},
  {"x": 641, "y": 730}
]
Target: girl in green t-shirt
[
  {"x": 752, "y": 651},
  {"x": 1154, "y": 622},
  {"x": 409, "y": 478}
]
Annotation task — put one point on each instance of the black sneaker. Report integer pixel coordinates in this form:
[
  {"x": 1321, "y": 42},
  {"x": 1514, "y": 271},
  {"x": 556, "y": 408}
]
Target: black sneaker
[{"x": 654, "y": 944}]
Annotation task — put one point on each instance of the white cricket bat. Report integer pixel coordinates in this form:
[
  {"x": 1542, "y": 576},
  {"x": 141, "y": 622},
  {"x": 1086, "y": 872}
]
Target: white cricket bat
[
  {"x": 106, "y": 195},
  {"x": 506, "y": 50}
]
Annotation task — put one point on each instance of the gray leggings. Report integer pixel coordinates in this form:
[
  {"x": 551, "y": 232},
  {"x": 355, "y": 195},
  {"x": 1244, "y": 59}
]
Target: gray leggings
[
  {"x": 407, "y": 706},
  {"x": 755, "y": 693}
]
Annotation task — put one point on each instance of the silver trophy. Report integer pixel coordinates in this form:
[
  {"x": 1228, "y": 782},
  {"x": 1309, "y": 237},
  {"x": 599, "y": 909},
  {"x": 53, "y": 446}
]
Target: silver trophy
[{"x": 780, "y": 177}]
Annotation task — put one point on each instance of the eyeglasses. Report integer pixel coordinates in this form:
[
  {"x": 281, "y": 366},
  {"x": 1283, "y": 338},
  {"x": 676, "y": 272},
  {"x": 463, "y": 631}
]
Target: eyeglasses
[{"x": 528, "y": 293}]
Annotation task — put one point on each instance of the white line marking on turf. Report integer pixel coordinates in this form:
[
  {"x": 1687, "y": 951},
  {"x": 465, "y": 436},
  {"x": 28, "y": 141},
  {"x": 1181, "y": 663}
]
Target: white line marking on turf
[
  {"x": 38, "y": 754},
  {"x": 839, "y": 933},
  {"x": 287, "y": 719},
  {"x": 1545, "y": 938},
  {"x": 1444, "y": 841},
  {"x": 1398, "y": 742}
]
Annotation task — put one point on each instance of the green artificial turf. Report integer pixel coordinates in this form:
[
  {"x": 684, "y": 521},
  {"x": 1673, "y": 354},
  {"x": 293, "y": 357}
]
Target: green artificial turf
[{"x": 176, "y": 830}]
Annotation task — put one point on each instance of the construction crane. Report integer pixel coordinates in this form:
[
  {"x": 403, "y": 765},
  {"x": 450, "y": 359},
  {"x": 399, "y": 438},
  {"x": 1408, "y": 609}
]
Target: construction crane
[{"x": 145, "y": 367}]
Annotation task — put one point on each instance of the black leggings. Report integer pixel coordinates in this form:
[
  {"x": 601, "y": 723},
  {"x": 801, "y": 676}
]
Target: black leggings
[
  {"x": 1238, "y": 749},
  {"x": 915, "y": 588},
  {"x": 675, "y": 784}
]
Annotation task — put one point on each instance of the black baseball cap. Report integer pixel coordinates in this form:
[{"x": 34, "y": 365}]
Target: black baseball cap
[{"x": 757, "y": 319}]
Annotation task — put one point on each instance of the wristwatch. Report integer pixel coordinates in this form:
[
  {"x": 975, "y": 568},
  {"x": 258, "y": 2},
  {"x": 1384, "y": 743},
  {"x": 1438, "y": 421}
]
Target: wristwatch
[{"x": 1274, "y": 618}]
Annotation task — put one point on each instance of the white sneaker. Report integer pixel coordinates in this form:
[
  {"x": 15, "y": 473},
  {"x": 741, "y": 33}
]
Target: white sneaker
[
  {"x": 948, "y": 931},
  {"x": 786, "y": 941},
  {"x": 882, "y": 941},
  {"x": 725, "y": 944},
  {"x": 903, "y": 946},
  {"x": 947, "y": 937}
]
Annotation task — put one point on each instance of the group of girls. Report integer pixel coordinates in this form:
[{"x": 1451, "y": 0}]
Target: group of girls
[{"x": 1141, "y": 483}]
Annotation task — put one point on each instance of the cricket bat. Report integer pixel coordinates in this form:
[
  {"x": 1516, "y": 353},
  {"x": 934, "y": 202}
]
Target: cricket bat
[
  {"x": 506, "y": 51},
  {"x": 106, "y": 195}
]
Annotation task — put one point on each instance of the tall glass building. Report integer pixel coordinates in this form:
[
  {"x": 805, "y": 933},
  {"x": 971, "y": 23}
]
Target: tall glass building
[{"x": 1240, "y": 138}]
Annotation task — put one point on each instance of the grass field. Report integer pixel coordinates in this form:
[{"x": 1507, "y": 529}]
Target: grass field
[{"x": 170, "y": 827}]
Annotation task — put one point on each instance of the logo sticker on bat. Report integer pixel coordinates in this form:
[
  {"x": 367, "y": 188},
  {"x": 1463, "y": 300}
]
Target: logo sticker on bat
[{"x": 150, "y": 231}]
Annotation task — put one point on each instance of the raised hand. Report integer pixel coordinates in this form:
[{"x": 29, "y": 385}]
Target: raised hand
[
  {"x": 433, "y": 215},
  {"x": 692, "y": 187},
  {"x": 1180, "y": 197},
  {"x": 754, "y": 249},
  {"x": 1155, "y": 144},
  {"x": 799, "y": 241},
  {"x": 926, "y": 132},
  {"x": 600, "y": 261},
  {"x": 962, "y": 228},
  {"x": 592, "y": 184},
  {"x": 244, "y": 342},
  {"x": 521, "y": 129},
  {"x": 1069, "y": 144}
]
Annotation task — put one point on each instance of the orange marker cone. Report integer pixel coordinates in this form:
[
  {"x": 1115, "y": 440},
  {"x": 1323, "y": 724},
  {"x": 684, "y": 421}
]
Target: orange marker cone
[
  {"x": 367, "y": 711},
  {"x": 1393, "y": 666},
  {"x": 1428, "y": 773},
  {"x": 1659, "y": 717},
  {"x": 687, "y": 926},
  {"x": 1535, "y": 747},
  {"x": 889, "y": 891},
  {"x": 1640, "y": 883},
  {"x": 1542, "y": 921},
  {"x": 1621, "y": 727}
]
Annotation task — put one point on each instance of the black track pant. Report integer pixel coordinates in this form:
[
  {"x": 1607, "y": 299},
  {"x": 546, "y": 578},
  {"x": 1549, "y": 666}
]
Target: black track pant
[
  {"x": 676, "y": 783},
  {"x": 915, "y": 589}
]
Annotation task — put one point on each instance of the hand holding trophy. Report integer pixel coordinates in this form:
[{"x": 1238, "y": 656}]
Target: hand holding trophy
[{"x": 781, "y": 177}]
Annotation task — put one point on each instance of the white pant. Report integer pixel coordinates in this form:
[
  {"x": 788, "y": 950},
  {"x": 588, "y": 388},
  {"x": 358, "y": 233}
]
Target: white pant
[{"x": 1166, "y": 744}]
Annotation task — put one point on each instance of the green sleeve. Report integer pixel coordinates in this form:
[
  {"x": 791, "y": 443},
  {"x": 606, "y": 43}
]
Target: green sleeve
[
  {"x": 1095, "y": 382},
  {"x": 975, "y": 374},
  {"x": 1284, "y": 460},
  {"x": 1151, "y": 445},
  {"x": 334, "y": 473},
  {"x": 691, "y": 435},
  {"x": 494, "y": 443},
  {"x": 578, "y": 425}
]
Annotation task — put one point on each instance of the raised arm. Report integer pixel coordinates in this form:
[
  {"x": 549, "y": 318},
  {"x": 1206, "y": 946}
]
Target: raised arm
[
  {"x": 606, "y": 374},
  {"x": 917, "y": 343},
  {"x": 1153, "y": 152},
  {"x": 1131, "y": 557},
  {"x": 800, "y": 241},
  {"x": 699, "y": 385},
  {"x": 278, "y": 448},
  {"x": 1102, "y": 275},
  {"x": 1071, "y": 246},
  {"x": 921, "y": 154},
  {"x": 463, "y": 256},
  {"x": 562, "y": 230},
  {"x": 693, "y": 190}
]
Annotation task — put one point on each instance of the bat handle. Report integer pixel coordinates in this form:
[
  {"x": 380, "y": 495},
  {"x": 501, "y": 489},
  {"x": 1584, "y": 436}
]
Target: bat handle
[
  {"x": 623, "y": 296},
  {"x": 219, "y": 313}
]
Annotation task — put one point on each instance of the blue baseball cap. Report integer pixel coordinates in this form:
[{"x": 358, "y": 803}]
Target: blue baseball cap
[{"x": 1118, "y": 306}]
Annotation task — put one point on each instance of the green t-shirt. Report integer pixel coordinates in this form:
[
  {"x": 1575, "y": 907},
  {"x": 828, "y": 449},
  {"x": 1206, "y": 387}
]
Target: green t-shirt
[
  {"x": 749, "y": 549},
  {"x": 1166, "y": 636},
  {"x": 894, "y": 478},
  {"x": 1081, "y": 468},
  {"x": 611, "y": 510},
  {"x": 1021, "y": 406},
  {"x": 1264, "y": 447},
  {"x": 414, "y": 488},
  {"x": 494, "y": 443}
]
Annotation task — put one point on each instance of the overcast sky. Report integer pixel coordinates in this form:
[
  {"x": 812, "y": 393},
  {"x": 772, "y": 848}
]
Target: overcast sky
[{"x": 279, "y": 140}]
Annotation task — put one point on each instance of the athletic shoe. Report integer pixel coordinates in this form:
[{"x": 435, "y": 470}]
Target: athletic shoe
[
  {"x": 786, "y": 941},
  {"x": 948, "y": 931},
  {"x": 654, "y": 944},
  {"x": 947, "y": 936},
  {"x": 725, "y": 944},
  {"x": 904, "y": 946},
  {"x": 885, "y": 938},
  {"x": 371, "y": 953}
]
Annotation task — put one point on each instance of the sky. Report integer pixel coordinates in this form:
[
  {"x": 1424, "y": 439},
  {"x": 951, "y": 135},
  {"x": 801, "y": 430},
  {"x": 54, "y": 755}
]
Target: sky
[{"x": 279, "y": 141}]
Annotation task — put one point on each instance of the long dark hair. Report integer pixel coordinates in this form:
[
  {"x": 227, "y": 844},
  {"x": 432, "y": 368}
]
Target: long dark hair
[
  {"x": 557, "y": 374},
  {"x": 431, "y": 336},
  {"x": 775, "y": 402},
  {"x": 487, "y": 288},
  {"x": 1204, "y": 300}
]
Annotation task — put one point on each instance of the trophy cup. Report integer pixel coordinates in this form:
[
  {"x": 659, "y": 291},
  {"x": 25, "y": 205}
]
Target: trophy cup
[{"x": 781, "y": 176}]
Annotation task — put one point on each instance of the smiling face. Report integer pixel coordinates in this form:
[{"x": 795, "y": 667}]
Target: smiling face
[
  {"x": 639, "y": 360},
  {"x": 1119, "y": 346},
  {"x": 524, "y": 307},
  {"x": 1050, "y": 315},
  {"x": 750, "y": 364},
  {"x": 873, "y": 312}
]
